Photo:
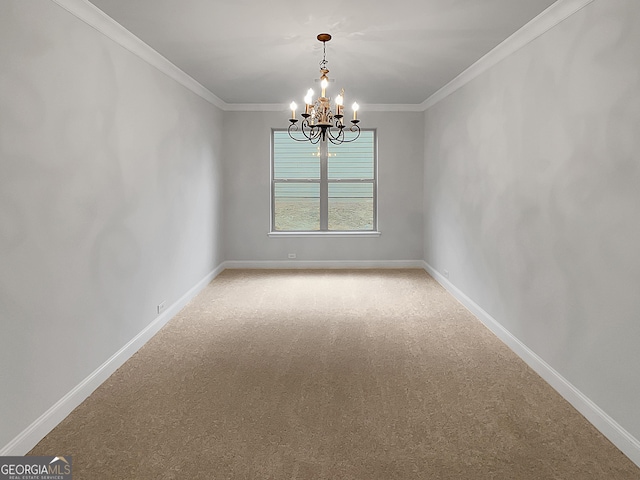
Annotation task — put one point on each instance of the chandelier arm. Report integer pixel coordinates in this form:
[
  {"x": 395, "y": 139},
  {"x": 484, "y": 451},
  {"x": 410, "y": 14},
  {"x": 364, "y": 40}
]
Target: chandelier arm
[
  {"x": 314, "y": 139},
  {"x": 337, "y": 139},
  {"x": 293, "y": 127},
  {"x": 312, "y": 132},
  {"x": 354, "y": 128},
  {"x": 309, "y": 132},
  {"x": 340, "y": 138}
]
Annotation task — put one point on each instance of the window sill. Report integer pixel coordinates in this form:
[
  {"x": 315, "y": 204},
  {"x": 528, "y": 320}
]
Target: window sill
[{"x": 324, "y": 234}]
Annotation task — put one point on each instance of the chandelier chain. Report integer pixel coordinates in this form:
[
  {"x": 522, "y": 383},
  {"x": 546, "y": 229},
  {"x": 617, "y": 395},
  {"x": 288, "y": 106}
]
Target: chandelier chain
[{"x": 324, "y": 62}]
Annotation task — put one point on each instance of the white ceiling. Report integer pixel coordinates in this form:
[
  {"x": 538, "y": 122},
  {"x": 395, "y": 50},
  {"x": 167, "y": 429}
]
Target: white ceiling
[{"x": 265, "y": 51}]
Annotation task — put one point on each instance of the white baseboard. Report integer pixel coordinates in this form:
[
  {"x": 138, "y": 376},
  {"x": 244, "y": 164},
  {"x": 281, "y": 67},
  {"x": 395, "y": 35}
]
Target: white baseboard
[
  {"x": 28, "y": 438},
  {"x": 319, "y": 264},
  {"x": 35, "y": 432},
  {"x": 627, "y": 443}
]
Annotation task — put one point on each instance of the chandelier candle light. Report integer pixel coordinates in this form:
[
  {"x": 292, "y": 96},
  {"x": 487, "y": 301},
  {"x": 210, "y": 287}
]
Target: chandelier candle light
[{"x": 319, "y": 122}]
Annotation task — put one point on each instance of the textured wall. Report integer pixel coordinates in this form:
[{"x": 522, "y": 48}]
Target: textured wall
[
  {"x": 532, "y": 189},
  {"x": 247, "y": 198},
  {"x": 110, "y": 184}
]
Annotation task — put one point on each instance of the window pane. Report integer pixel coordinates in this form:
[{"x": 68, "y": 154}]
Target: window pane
[
  {"x": 351, "y": 206},
  {"x": 293, "y": 159},
  {"x": 334, "y": 193},
  {"x": 297, "y": 206},
  {"x": 352, "y": 160}
]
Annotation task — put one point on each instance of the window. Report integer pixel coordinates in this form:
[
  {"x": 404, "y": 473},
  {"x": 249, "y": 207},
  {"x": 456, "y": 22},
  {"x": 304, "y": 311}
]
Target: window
[{"x": 323, "y": 187}]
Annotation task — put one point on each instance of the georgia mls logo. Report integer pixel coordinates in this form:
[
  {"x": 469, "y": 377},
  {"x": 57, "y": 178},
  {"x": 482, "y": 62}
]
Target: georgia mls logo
[
  {"x": 60, "y": 459},
  {"x": 35, "y": 468}
]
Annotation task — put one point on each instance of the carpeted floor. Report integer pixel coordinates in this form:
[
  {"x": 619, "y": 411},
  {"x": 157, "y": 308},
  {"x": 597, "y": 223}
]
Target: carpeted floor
[{"x": 329, "y": 374}]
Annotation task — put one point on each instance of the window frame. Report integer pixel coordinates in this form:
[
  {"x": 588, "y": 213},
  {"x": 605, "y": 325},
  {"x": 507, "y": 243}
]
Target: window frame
[{"x": 324, "y": 181}]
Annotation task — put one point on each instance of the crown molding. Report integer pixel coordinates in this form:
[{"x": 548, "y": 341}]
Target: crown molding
[
  {"x": 96, "y": 18},
  {"x": 257, "y": 107},
  {"x": 392, "y": 107},
  {"x": 281, "y": 107},
  {"x": 545, "y": 21},
  {"x": 100, "y": 21}
]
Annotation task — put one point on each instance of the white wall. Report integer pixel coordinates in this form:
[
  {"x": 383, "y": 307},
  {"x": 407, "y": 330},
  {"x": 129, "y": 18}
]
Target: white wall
[
  {"x": 110, "y": 198},
  {"x": 532, "y": 189},
  {"x": 247, "y": 198},
  {"x": 111, "y": 182}
]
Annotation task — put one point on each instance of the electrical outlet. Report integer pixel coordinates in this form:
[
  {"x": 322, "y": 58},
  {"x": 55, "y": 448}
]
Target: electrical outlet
[
  {"x": 161, "y": 307},
  {"x": 292, "y": 255},
  {"x": 446, "y": 273}
]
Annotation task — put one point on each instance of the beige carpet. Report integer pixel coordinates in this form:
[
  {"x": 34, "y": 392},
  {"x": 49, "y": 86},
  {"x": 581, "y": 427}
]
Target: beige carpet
[{"x": 369, "y": 374}]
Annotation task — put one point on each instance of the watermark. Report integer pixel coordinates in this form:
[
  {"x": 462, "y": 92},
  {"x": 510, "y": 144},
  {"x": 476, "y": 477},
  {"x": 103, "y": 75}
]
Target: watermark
[{"x": 35, "y": 468}]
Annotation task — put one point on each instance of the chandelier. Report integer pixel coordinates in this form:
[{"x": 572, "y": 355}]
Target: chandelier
[{"x": 319, "y": 121}]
